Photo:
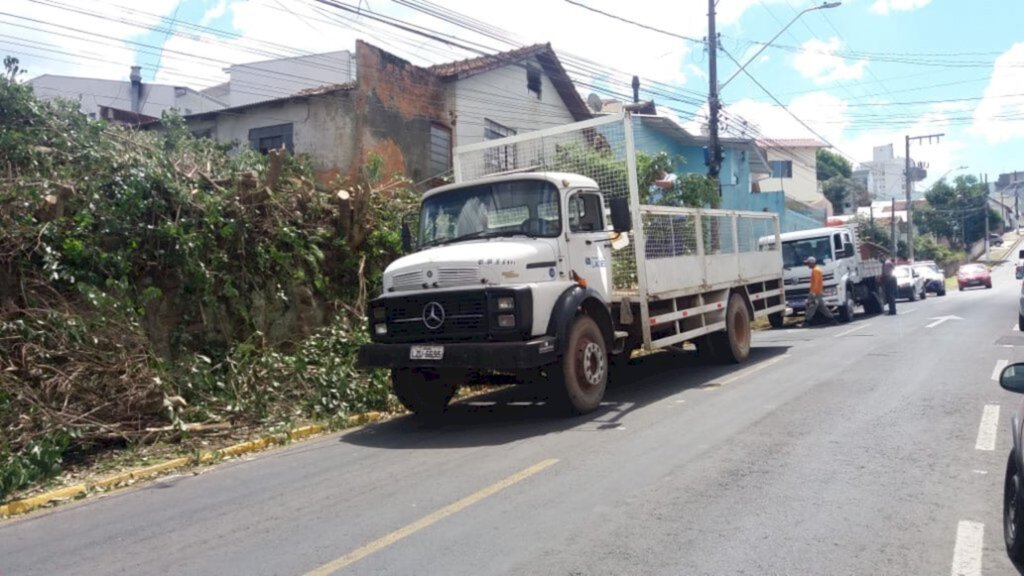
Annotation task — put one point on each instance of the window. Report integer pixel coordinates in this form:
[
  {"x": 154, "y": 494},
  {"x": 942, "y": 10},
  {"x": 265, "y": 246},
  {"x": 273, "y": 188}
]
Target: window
[
  {"x": 271, "y": 138},
  {"x": 782, "y": 168},
  {"x": 499, "y": 158},
  {"x": 585, "y": 213},
  {"x": 533, "y": 82},
  {"x": 440, "y": 149}
]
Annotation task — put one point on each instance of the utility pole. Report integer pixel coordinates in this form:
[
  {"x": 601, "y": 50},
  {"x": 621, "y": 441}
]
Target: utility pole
[
  {"x": 892, "y": 226},
  {"x": 909, "y": 183},
  {"x": 715, "y": 152}
]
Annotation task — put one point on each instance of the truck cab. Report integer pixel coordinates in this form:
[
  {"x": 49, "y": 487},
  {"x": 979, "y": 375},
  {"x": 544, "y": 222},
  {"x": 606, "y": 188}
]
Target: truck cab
[
  {"x": 502, "y": 266},
  {"x": 848, "y": 278}
]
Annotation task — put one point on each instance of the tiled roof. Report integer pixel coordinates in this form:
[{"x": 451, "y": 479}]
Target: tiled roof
[
  {"x": 326, "y": 89},
  {"x": 487, "y": 62}
]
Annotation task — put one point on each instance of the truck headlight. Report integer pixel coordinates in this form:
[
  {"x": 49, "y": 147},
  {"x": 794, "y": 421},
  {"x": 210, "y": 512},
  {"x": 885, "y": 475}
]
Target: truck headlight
[
  {"x": 380, "y": 329},
  {"x": 507, "y": 321},
  {"x": 506, "y": 303},
  {"x": 380, "y": 313},
  {"x": 830, "y": 291}
]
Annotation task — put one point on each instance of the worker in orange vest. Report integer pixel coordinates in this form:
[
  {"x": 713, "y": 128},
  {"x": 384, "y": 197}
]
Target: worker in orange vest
[{"x": 816, "y": 299}]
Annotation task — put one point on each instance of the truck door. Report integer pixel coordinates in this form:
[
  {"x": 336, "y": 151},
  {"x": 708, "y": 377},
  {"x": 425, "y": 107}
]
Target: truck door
[{"x": 589, "y": 251}]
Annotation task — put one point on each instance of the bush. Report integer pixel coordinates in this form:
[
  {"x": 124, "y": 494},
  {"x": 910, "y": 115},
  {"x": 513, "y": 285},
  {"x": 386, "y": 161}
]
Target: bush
[{"x": 140, "y": 267}]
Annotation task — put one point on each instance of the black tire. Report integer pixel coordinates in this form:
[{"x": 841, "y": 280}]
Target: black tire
[
  {"x": 924, "y": 293},
  {"x": 733, "y": 345},
  {"x": 1013, "y": 511},
  {"x": 776, "y": 320},
  {"x": 988, "y": 286},
  {"x": 425, "y": 391},
  {"x": 583, "y": 377},
  {"x": 846, "y": 310},
  {"x": 942, "y": 291},
  {"x": 1020, "y": 322},
  {"x": 874, "y": 304}
]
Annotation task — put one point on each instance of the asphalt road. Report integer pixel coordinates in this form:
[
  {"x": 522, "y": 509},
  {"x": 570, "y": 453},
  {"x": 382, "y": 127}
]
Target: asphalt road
[{"x": 866, "y": 448}]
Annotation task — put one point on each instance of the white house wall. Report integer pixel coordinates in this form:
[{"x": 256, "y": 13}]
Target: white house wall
[
  {"x": 272, "y": 79},
  {"x": 803, "y": 186},
  {"x": 501, "y": 95},
  {"x": 94, "y": 92}
]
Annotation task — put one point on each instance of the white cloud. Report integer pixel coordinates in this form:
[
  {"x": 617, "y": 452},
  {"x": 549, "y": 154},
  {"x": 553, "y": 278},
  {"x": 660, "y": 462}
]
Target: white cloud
[
  {"x": 214, "y": 13},
  {"x": 998, "y": 117},
  {"x": 884, "y": 7},
  {"x": 817, "y": 60}
]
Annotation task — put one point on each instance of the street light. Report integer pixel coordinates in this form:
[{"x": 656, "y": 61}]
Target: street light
[
  {"x": 784, "y": 28},
  {"x": 714, "y": 158}
]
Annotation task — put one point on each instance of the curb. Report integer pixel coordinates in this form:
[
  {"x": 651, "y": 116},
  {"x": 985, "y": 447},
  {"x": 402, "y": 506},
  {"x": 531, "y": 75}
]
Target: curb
[{"x": 17, "y": 507}]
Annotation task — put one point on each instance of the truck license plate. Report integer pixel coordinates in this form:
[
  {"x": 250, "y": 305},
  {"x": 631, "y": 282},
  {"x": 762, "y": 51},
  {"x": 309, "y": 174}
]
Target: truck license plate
[{"x": 426, "y": 353}]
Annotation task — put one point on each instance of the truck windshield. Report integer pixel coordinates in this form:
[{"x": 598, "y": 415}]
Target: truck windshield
[
  {"x": 794, "y": 252},
  {"x": 522, "y": 207}
]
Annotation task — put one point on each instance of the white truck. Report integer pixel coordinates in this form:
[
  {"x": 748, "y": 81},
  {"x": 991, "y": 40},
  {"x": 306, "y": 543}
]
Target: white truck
[
  {"x": 529, "y": 267},
  {"x": 851, "y": 275}
]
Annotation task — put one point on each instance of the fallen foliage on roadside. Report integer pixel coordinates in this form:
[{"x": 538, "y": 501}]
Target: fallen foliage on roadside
[{"x": 155, "y": 287}]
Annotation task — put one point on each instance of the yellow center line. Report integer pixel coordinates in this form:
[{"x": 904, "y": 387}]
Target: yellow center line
[
  {"x": 748, "y": 371},
  {"x": 384, "y": 542}
]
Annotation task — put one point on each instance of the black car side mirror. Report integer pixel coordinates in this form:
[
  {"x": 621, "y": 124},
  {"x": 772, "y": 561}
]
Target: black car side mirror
[{"x": 1012, "y": 378}]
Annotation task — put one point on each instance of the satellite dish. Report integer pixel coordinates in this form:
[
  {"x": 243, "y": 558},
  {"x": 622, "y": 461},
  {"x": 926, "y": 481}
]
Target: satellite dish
[{"x": 594, "y": 101}]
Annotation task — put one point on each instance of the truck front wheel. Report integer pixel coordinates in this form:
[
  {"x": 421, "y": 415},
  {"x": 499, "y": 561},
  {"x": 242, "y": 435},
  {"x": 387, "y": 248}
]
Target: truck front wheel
[
  {"x": 584, "y": 371},
  {"x": 424, "y": 391},
  {"x": 846, "y": 310}
]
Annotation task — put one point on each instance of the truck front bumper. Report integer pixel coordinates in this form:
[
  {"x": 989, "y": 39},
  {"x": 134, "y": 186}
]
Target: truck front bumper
[{"x": 481, "y": 355}]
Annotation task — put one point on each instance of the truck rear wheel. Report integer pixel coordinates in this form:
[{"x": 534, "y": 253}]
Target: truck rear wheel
[
  {"x": 733, "y": 345},
  {"x": 776, "y": 319},
  {"x": 874, "y": 303},
  {"x": 425, "y": 391},
  {"x": 584, "y": 371}
]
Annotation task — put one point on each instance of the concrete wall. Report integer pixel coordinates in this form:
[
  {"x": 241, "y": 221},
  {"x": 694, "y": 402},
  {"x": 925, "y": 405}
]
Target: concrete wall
[
  {"x": 95, "y": 92},
  {"x": 501, "y": 95},
  {"x": 322, "y": 128},
  {"x": 273, "y": 79}
]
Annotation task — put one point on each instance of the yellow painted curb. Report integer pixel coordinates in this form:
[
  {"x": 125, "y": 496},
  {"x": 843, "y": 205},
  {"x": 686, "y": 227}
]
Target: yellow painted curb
[
  {"x": 28, "y": 504},
  {"x": 305, "y": 431},
  {"x": 22, "y": 506}
]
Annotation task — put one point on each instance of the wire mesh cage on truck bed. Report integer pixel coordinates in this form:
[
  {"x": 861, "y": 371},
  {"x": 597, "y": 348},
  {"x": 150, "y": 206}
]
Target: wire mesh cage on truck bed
[{"x": 683, "y": 251}]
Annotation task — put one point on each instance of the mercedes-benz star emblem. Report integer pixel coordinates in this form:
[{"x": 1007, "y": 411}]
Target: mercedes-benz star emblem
[{"x": 433, "y": 315}]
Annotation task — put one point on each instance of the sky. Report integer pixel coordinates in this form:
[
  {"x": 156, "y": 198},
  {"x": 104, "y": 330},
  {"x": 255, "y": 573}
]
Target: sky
[{"x": 862, "y": 74}]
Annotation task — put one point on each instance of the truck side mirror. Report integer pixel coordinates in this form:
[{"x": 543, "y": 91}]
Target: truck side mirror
[
  {"x": 621, "y": 221},
  {"x": 407, "y": 239}
]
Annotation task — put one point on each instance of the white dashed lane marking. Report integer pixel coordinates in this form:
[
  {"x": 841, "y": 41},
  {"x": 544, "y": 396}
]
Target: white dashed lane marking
[
  {"x": 970, "y": 537},
  {"x": 988, "y": 428},
  {"x": 1000, "y": 364}
]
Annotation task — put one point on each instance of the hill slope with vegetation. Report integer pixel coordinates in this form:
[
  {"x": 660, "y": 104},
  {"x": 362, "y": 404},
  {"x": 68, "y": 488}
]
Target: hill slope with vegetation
[{"x": 152, "y": 284}]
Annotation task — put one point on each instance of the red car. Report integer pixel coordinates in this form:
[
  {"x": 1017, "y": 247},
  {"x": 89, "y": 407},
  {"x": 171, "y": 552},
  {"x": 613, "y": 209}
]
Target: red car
[{"x": 973, "y": 275}]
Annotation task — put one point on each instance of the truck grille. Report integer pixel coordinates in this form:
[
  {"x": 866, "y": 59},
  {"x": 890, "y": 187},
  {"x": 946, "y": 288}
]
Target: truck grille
[{"x": 465, "y": 317}]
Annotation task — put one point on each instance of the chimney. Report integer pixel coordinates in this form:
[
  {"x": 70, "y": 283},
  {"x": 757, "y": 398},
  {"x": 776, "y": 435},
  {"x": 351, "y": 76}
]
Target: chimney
[
  {"x": 136, "y": 91},
  {"x": 636, "y": 89}
]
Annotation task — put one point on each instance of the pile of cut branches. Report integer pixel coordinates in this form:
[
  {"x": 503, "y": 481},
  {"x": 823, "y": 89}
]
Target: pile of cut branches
[{"x": 152, "y": 282}]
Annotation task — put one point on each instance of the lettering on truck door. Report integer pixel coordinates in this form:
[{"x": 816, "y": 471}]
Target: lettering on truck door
[{"x": 589, "y": 251}]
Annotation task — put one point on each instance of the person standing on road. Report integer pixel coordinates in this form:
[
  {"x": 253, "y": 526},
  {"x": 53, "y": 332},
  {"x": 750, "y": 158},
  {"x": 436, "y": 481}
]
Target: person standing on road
[
  {"x": 816, "y": 299},
  {"x": 889, "y": 282}
]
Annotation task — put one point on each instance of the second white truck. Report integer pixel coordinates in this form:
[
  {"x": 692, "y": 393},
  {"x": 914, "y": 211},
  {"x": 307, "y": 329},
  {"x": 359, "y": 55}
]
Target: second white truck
[{"x": 851, "y": 275}]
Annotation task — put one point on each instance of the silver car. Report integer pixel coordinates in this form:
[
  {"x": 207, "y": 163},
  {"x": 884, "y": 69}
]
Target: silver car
[{"x": 909, "y": 283}]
